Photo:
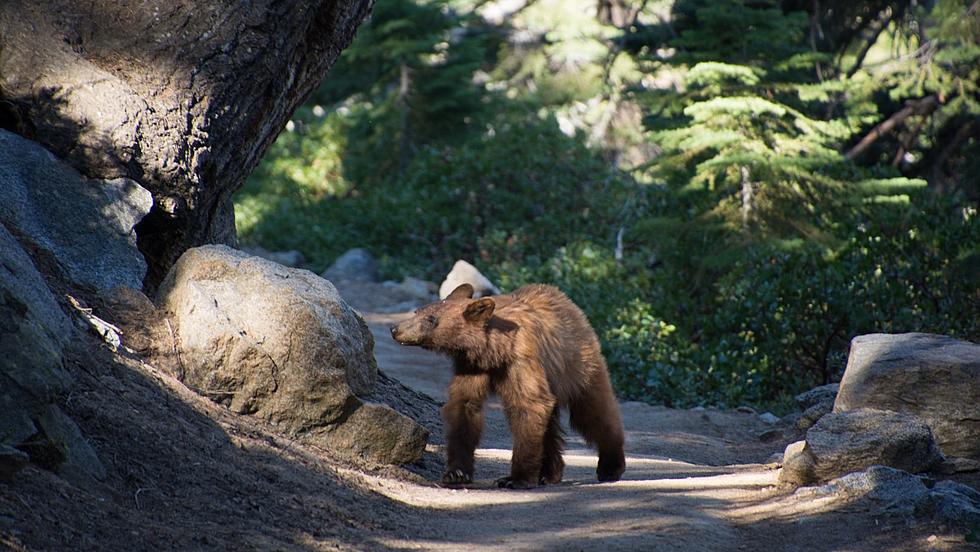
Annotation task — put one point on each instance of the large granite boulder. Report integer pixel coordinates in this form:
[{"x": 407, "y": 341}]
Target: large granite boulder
[
  {"x": 845, "y": 442},
  {"x": 81, "y": 227},
  {"x": 279, "y": 343},
  {"x": 33, "y": 334},
  {"x": 933, "y": 377}
]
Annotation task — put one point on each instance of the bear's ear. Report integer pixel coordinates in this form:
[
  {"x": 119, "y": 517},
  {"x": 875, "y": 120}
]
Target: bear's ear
[
  {"x": 479, "y": 311},
  {"x": 464, "y": 291}
]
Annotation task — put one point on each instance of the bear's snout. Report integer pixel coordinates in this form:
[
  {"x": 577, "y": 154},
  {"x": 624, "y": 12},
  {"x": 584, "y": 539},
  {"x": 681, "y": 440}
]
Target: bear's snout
[{"x": 404, "y": 334}]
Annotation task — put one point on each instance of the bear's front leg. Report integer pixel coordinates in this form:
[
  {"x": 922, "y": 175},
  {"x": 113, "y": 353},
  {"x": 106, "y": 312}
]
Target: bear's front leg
[
  {"x": 528, "y": 415},
  {"x": 463, "y": 414}
]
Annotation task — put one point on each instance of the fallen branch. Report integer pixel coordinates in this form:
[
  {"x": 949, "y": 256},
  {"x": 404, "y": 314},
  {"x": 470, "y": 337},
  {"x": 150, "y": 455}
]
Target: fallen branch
[
  {"x": 923, "y": 106},
  {"x": 109, "y": 333}
]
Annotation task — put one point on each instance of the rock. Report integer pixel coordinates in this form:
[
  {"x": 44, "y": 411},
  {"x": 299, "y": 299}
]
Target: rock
[
  {"x": 83, "y": 227},
  {"x": 33, "y": 329},
  {"x": 354, "y": 265},
  {"x": 931, "y": 376},
  {"x": 744, "y": 409},
  {"x": 956, "y": 464},
  {"x": 817, "y": 395},
  {"x": 768, "y": 418},
  {"x": 419, "y": 289},
  {"x": 813, "y": 414},
  {"x": 279, "y": 343},
  {"x": 465, "y": 273},
  {"x": 291, "y": 258},
  {"x": 376, "y": 432},
  {"x": 951, "y": 503},
  {"x": 771, "y": 435},
  {"x": 898, "y": 490},
  {"x": 410, "y": 294},
  {"x": 844, "y": 442},
  {"x": 33, "y": 334},
  {"x": 799, "y": 465},
  {"x": 81, "y": 462},
  {"x": 11, "y": 461}
]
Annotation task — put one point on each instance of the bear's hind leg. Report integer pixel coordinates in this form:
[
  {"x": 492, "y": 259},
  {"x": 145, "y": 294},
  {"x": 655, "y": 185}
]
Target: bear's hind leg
[
  {"x": 595, "y": 415},
  {"x": 552, "y": 465}
]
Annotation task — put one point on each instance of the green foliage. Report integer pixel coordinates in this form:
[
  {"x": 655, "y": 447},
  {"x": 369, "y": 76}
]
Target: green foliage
[
  {"x": 512, "y": 196},
  {"x": 756, "y": 249}
]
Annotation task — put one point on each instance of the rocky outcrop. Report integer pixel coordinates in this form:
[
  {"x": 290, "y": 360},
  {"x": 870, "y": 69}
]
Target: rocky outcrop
[
  {"x": 930, "y": 376},
  {"x": 82, "y": 228},
  {"x": 902, "y": 493},
  {"x": 33, "y": 334},
  {"x": 280, "y": 344},
  {"x": 845, "y": 442},
  {"x": 465, "y": 273}
]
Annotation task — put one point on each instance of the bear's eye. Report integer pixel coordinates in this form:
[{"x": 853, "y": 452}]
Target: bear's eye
[{"x": 431, "y": 320}]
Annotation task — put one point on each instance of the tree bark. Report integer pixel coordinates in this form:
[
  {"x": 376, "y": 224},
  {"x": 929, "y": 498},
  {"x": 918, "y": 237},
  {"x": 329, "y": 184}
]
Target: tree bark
[{"x": 183, "y": 96}]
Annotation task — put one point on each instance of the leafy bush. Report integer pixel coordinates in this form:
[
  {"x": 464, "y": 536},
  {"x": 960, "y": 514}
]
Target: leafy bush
[{"x": 780, "y": 318}]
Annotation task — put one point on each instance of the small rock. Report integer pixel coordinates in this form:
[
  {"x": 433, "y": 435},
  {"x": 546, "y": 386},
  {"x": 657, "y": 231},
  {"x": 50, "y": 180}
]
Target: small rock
[
  {"x": 956, "y": 464},
  {"x": 951, "y": 503},
  {"x": 291, "y": 258},
  {"x": 813, "y": 414},
  {"x": 816, "y": 395},
  {"x": 798, "y": 464},
  {"x": 465, "y": 273},
  {"x": 81, "y": 463},
  {"x": 11, "y": 461},
  {"x": 770, "y": 435},
  {"x": 356, "y": 265},
  {"x": 420, "y": 289},
  {"x": 769, "y": 418},
  {"x": 745, "y": 409}
]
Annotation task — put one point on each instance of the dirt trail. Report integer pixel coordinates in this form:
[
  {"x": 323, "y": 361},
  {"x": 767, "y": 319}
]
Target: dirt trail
[
  {"x": 695, "y": 480},
  {"x": 185, "y": 473}
]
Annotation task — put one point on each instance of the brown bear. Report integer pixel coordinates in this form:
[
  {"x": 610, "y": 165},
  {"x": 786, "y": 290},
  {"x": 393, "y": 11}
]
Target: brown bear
[{"x": 536, "y": 350}]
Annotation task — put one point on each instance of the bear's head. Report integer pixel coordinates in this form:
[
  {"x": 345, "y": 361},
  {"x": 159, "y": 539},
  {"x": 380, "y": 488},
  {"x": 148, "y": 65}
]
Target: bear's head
[{"x": 448, "y": 324}]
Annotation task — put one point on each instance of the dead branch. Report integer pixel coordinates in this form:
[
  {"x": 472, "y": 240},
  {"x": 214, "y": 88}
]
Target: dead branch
[{"x": 923, "y": 106}]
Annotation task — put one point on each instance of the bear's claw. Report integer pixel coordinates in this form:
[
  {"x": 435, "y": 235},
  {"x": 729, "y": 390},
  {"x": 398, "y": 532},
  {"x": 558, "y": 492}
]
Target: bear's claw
[
  {"x": 509, "y": 483},
  {"x": 457, "y": 477}
]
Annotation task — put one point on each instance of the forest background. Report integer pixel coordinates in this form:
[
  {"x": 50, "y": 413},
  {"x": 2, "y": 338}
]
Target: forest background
[{"x": 730, "y": 189}]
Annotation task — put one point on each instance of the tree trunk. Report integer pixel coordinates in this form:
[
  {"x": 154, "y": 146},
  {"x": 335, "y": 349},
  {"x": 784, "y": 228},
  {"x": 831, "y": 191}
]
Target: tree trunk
[
  {"x": 183, "y": 96},
  {"x": 746, "y": 198}
]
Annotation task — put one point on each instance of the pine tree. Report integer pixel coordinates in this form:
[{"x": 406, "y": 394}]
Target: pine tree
[{"x": 409, "y": 81}]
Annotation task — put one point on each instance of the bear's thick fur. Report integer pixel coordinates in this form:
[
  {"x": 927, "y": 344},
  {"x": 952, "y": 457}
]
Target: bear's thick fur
[{"x": 536, "y": 350}]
